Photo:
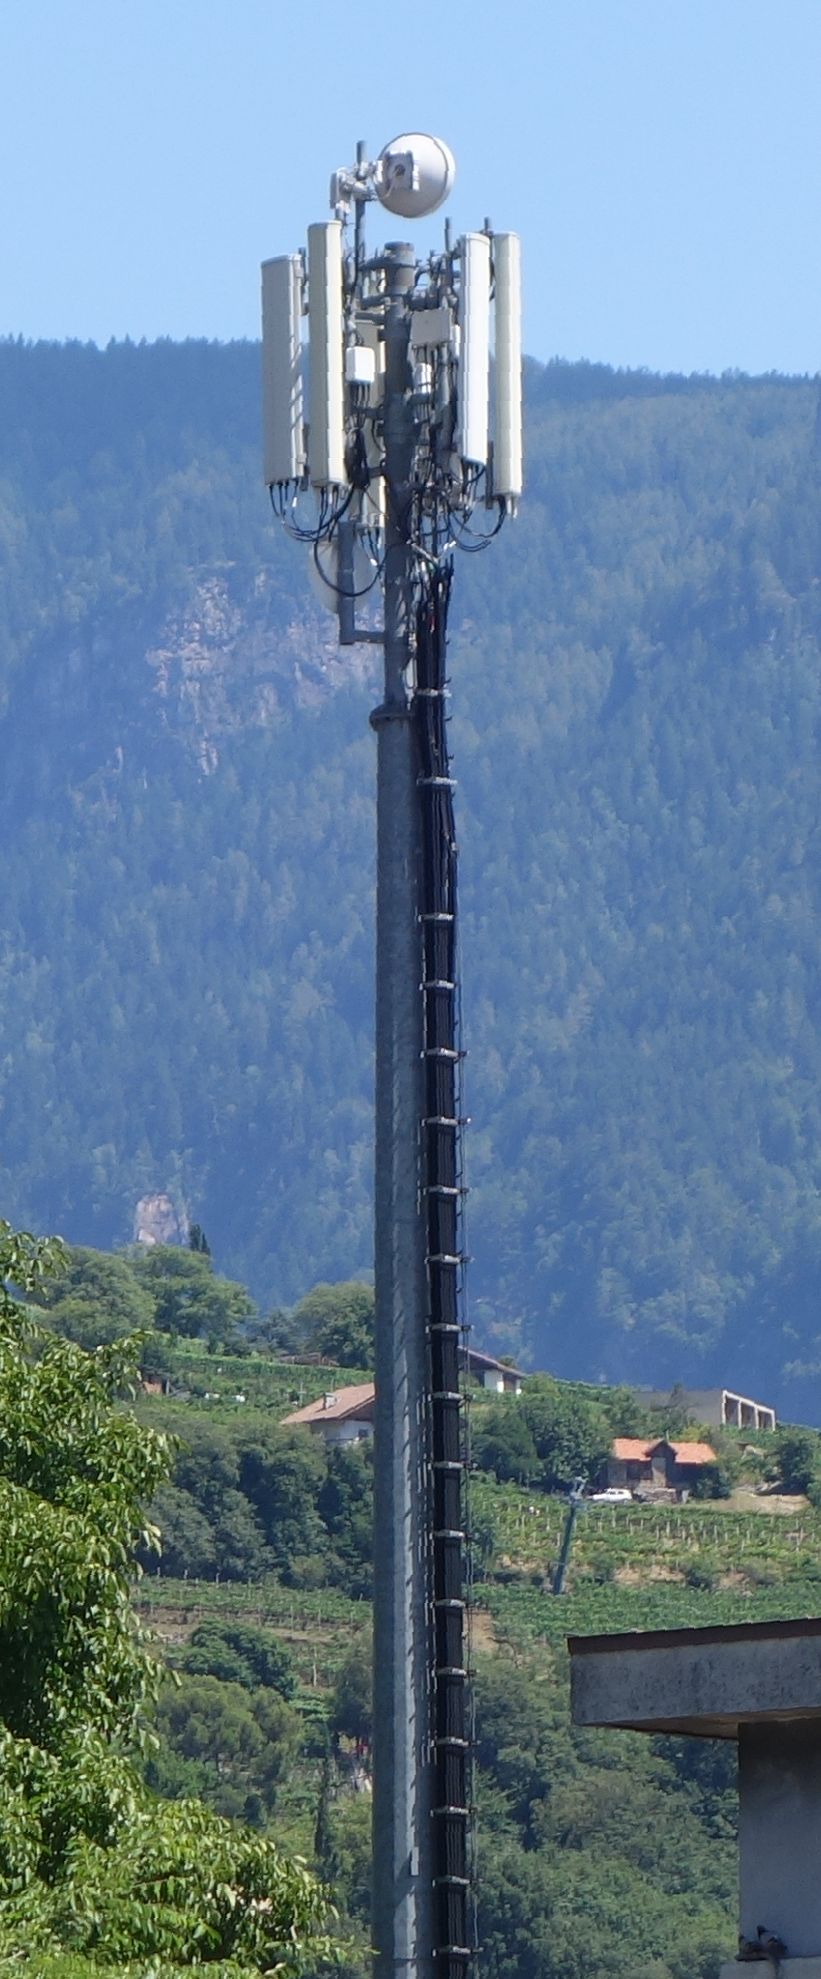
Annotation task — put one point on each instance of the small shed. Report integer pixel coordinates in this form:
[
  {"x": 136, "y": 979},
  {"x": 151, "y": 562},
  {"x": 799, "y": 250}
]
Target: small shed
[
  {"x": 499, "y": 1376},
  {"x": 155, "y": 1384}
]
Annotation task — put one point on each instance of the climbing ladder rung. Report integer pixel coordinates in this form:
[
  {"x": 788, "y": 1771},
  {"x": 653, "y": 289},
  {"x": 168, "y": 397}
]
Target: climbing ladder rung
[
  {"x": 449, "y": 1257},
  {"x": 445, "y": 1120},
  {"x": 436, "y": 782},
  {"x": 437, "y": 983},
  {"x": 442, "y": 1051},
  {"x": 443, "y": 1189},
  {"x": 441, "y": 918}
]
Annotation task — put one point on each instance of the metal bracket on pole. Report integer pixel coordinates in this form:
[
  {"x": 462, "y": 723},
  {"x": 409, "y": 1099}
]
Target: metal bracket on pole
[{"x": 346, "y": 605}]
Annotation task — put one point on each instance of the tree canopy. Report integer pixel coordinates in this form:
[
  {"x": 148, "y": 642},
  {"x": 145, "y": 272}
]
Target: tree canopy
[
  {"x": 77, "y": 1680},
  {"x": 336, "y": 1321}
]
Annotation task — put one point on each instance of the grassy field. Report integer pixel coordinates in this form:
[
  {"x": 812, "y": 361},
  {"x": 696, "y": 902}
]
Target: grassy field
[
  {"x": 232, "y": 1382},
  {"x": 631, "y": 1567},
  {"x": 637, "y": 1543},
  {"x": 318, "y": 1627}
]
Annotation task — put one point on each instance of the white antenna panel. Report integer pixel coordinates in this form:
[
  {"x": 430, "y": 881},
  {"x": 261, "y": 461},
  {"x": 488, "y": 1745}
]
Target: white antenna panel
[
  {"x": 474, "y": 350},
  {"x": 326, "y": 444},
  {"x": 507, "y": 441},
  {"x": 283, "y": 444}
]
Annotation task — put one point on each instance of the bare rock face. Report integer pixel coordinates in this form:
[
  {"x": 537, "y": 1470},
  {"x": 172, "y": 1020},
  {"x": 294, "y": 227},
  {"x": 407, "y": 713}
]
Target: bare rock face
[
  {"x": 157, "y": 1220},
  {"x": 229, "y": 659}
]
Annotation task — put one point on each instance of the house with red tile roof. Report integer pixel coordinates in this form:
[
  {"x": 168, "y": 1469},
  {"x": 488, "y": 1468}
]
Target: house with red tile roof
[
  {"x": 343, "y": 1415},
  {"x": 656, "y": 1463}
]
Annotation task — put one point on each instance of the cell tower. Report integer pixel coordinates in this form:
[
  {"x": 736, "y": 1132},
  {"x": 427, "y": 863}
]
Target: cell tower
[{"x": 383, "y": 474}]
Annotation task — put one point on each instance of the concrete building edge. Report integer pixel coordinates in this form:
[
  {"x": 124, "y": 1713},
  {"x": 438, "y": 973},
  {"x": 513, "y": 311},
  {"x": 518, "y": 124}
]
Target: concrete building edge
[{"x": 785, "y": 1968}]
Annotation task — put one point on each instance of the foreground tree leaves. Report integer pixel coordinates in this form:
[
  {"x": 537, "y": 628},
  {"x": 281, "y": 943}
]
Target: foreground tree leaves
[{"x": 89, "y": 1860}]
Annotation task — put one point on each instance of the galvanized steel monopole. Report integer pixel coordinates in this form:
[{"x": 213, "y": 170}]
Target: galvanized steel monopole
[{"x": 392, "y": 414}]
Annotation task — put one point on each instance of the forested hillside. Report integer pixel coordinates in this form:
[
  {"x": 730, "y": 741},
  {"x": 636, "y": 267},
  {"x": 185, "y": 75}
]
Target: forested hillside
[{"x": 186, "y": 816}]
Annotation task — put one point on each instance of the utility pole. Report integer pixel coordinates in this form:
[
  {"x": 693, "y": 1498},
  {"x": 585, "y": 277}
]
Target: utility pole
[
  {"x": 575, "y": 1503},
  {"x": 382, "y": 483}
]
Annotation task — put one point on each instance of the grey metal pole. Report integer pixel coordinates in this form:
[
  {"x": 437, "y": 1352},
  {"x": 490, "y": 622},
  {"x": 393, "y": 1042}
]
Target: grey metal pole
[{"x": 403, "y": 1908}]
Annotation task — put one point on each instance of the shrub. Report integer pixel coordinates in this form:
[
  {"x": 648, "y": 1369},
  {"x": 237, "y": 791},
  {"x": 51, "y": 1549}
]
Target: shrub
[{"x": 797, "y": 1453}]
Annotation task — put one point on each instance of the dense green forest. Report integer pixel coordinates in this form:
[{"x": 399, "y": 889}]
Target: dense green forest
[
  {"x": 186, "y": 812},
  {"x": 600, "y": 1855}
]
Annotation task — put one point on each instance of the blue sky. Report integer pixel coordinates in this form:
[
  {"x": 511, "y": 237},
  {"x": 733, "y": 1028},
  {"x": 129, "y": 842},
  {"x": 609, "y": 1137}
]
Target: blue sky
[{"x": 661, "y": 159}]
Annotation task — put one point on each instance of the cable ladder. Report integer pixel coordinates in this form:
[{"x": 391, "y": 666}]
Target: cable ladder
[{"x": 443, "y": 1191}]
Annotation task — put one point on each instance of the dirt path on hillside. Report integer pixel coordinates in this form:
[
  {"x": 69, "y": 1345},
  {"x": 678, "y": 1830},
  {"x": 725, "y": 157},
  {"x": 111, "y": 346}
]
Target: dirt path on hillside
[
  {"x": 483, "y": 1632},
  {"x": 744, "y": 1500}
]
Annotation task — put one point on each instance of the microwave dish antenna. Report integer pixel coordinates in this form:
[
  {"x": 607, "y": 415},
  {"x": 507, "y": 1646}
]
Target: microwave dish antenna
[{"x": 414, "y": 175}]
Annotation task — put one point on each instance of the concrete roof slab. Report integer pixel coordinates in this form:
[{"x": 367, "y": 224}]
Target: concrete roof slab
[{"x": 703, "y": 1682}]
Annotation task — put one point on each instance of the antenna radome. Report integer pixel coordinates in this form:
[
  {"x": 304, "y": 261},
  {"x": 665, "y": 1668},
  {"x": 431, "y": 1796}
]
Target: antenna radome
[
  {"x": 326, "y": 375},
  {"x": 507, "y": 445},
  {"x": 414, "y": 175},
  {"x": 282, "y": 414}
]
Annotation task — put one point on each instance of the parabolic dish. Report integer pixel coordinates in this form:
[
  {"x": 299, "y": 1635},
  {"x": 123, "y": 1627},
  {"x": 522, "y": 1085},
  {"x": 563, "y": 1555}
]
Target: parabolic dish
[{"x": 415, "y": 174}]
